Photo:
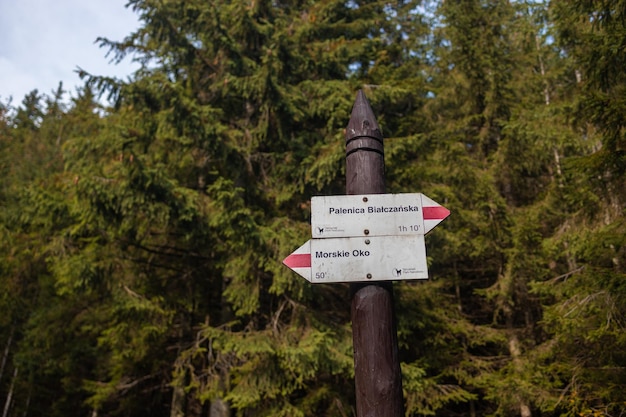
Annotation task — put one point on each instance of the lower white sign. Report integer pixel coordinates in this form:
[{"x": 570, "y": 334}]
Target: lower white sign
[{"x": 354, "y": 259}]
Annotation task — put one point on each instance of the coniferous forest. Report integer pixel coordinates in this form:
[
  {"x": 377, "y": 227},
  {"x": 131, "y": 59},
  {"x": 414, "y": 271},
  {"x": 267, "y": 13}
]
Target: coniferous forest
[{"x": 141, "y": 240}]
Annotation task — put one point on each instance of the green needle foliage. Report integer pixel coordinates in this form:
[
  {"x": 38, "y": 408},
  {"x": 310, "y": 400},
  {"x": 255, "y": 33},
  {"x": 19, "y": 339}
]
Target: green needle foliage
[{"x": 141, "y": 241}]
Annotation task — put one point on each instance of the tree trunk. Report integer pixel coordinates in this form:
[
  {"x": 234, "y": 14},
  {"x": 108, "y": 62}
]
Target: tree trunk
[
  {"x": 28, "y": 398},
  {"x": 515, "y": 352},
  {"x": 6, "y": 352},
  {"x": 546, "y": 86},
  {"x": 219, "y": 408},
  {"x": 178, "y": 402},
  {"x": 7, "y": 404}
]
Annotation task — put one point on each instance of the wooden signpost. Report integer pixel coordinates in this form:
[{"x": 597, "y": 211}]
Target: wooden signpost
[{"x": 369, "y": 238}]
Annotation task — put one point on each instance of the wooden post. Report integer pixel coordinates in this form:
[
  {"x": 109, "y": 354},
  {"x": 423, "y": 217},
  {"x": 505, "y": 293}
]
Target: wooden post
[{"x": 377, "y": 375}]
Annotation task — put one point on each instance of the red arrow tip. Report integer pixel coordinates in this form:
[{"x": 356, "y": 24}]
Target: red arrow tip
[
  {"x": 435, "y": 213},
  {"x": 298, "y": 260}
]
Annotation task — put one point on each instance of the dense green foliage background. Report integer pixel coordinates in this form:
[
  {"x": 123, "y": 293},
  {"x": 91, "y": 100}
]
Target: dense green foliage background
[{"x": 141, "y": 242}]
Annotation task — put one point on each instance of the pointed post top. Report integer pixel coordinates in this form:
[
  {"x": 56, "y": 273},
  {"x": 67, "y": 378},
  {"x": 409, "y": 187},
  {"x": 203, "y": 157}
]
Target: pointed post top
[{"x": 362, "y": 120}]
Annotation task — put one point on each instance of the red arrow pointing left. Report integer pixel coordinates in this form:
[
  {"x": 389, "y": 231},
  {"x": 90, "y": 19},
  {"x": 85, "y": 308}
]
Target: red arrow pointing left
[{"x": 300, "y": 261}]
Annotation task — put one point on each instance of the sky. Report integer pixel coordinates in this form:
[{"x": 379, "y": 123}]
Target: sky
[{"x": 43, "y": 42}]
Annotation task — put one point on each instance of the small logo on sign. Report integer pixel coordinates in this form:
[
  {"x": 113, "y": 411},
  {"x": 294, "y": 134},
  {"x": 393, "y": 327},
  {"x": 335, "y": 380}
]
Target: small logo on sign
[
  {"x": 320, "y": 230},
  {"x": 397, "y": 272}
]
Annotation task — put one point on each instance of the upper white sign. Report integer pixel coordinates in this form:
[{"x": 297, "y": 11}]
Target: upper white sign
[{"x": 374, "y": 215}]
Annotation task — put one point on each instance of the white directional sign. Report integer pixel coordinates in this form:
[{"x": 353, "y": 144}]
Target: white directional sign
[
  {"x": 374, "y": 215},
  {"x": 353, "y": 259},
  {"x": 377, "y": 237}
]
